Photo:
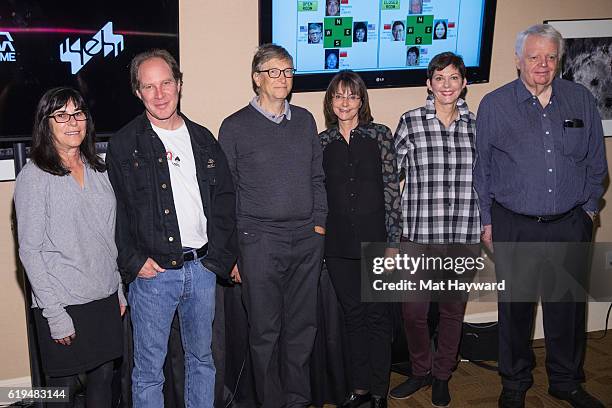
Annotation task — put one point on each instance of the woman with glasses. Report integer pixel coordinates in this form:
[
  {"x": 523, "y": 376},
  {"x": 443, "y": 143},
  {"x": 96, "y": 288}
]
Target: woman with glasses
[
  {"x": 65, "y": 209},
  {"x": 364, "y": 206}
]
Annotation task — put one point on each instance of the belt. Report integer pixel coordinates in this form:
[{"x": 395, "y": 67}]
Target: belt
[
  {"x": 189, "y": 254},
  {"x": 540, "y": 218},
  {"x": 548, "y": 218}
]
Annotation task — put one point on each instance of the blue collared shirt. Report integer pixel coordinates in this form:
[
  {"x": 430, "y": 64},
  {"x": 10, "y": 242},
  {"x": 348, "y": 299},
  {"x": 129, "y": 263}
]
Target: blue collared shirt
[
  {"x": 532, "y": 164},
  {"x": 274, "y": 118}
]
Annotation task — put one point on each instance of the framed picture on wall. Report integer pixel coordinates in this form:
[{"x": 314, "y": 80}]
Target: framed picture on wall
[{"x": 587, "y": 60}]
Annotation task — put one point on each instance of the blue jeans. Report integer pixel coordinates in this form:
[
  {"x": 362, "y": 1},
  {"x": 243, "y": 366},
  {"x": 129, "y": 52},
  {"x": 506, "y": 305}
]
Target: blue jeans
[{"x": 153, "y": 303}]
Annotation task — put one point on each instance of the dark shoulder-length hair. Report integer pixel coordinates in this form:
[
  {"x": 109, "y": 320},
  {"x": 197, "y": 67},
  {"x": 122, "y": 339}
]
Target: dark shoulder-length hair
[
  {"x": 347, "y": 80},
  {"x": 44, "y": 153}
]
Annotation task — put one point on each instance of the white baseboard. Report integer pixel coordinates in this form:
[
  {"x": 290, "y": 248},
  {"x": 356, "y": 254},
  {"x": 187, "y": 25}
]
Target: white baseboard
[
  {"x": 596, "y": 319},
  {"x": 16, "y": 382},
  {"x": 481, "y": 317},
  {"x": 7, "y": 170}
]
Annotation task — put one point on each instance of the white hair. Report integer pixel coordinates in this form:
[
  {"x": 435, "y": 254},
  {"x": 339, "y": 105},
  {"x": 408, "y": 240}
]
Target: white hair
[{"x": 540, "y": 30}]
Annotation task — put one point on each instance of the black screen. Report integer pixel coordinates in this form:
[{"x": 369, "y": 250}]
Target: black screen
[{"x": 35, "y": 35}]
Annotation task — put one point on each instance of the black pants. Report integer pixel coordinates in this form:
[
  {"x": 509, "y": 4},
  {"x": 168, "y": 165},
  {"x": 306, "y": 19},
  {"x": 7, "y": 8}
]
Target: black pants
[
  {"x": 280, "y": 271},
  {"x": 97, "y": 390},
  {"x": 564, "y": 322},
  {"x": 367, "y": 327}
]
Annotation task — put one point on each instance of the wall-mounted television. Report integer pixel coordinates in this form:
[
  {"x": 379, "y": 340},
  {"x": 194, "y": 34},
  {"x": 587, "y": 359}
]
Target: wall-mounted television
[
  {"x": 388, "y": 42},
  {"x": 87, "y": 45}
]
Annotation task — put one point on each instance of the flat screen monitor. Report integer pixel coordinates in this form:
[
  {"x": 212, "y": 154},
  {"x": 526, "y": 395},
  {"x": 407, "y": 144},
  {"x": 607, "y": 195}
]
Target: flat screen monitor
[
  {"x": 388, "y": 42},
  {"x": 87, "y": 45}
]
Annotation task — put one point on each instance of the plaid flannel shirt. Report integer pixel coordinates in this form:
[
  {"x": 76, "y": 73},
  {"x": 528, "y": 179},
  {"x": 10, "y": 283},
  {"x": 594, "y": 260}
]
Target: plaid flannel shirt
[{"x": 439, "y": 202}]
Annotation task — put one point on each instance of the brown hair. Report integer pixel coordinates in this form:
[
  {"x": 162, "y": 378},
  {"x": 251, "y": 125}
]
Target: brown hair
[
  {"x": 265, "y": 53},
  {"x": 443, "y": 60},
  {"x": 147, "y": 55},
  {"x": 352, "y": 82}
]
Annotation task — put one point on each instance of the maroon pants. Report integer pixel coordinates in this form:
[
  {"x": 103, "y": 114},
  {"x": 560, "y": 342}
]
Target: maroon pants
[{"x": 440, "y": 363}]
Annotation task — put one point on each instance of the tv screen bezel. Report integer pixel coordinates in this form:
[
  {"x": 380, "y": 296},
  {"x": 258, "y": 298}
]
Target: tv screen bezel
[{"x": 388, "y": 78}]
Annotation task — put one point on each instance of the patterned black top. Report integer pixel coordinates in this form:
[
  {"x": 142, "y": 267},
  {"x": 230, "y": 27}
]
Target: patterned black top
[
  {"x": 362, "y": 189},
  {"x": 439, "y": 202}
]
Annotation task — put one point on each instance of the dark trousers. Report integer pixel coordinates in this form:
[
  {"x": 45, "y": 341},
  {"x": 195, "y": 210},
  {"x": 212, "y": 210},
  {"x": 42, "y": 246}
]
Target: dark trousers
[
  {"x": 443, "y": 360},
  {"x": 367, "y": 328},
  {"x": 98, "y": 389},
  {"x": 564, "y": 322},
  {"x": 451, "y": 308},
  {"x": 280, "y": 270}
]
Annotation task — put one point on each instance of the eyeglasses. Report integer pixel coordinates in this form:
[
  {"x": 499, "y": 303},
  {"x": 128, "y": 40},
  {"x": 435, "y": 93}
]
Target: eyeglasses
[
  {"x": 351, "y": 98},
  {"x": 276, "y": 72},
  {"x": 63, "y": 117}
]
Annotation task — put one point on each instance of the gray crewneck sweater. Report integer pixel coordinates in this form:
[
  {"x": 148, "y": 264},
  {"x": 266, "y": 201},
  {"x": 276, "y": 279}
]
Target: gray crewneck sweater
[
  {"x": 66, "y": 241},
  {"x": 277, "y": 167}
]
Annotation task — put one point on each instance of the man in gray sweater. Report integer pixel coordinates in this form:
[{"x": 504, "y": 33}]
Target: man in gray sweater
[{"x": 275, "y": 158}]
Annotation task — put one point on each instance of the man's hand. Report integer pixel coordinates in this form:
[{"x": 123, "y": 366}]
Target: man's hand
[
  {"x": 66, "y": 341},
  {"x": 150, "y": 269},
  {"x": 319, "y": 230},
  {"x": 235, "y": 275},
  {"x": 486, "y": 236}
]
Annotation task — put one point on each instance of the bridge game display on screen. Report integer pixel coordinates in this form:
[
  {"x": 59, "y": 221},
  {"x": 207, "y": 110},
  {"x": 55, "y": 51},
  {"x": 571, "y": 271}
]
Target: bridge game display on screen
[{"x": 379, "y": 35}]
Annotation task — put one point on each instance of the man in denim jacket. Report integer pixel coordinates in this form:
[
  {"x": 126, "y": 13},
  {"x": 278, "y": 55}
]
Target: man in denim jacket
[{"x": 175, "y": 230}]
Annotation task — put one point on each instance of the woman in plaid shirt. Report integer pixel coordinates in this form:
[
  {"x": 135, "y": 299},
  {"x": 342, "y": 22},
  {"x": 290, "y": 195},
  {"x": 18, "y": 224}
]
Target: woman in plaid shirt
[{"x": 435, "y": 150}]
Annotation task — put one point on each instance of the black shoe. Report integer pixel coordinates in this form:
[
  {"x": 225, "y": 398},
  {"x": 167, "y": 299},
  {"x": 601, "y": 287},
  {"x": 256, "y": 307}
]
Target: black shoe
[
  {"x": 378, "y": 402},
  {"x": 354, "y": 400},
  {"x": 578, "y": 398},
  {"x": 410, "y": 386},
  {"x": 512, "y": 398},
  {"x": 440, "y": 397}
]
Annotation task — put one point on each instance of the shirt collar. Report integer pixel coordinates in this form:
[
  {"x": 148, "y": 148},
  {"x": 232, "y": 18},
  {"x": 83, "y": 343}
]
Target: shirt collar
[
  {"x": 274, "y": 118},
  {"x": 334, "y": 132},
  {"x": 523, "y": 94},
  {"x": 462, "y": 107}
]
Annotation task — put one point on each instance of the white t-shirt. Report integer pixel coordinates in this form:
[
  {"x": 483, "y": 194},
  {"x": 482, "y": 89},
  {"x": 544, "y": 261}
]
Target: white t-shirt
[{"x": 185, "y": 189}]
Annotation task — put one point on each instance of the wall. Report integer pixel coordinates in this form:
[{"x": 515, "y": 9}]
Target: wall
[{"x": 217, "y": 83}]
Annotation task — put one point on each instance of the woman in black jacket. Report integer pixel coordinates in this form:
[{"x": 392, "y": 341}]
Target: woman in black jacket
[{"x": 364, "y": 206}]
